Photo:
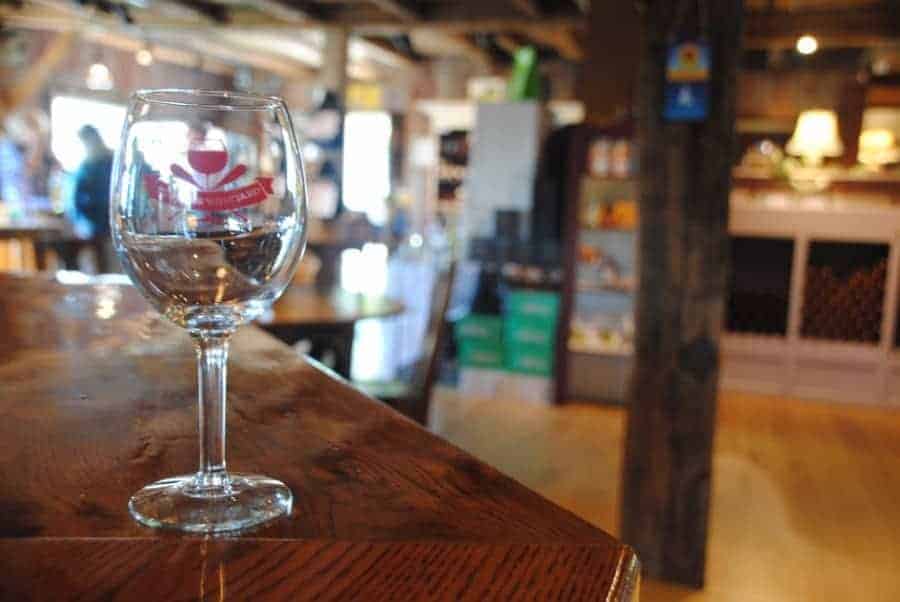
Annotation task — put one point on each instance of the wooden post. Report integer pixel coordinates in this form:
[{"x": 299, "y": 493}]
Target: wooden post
[
  {"x": 685, "y": 180},
  {"x": 333, "y": 75}
]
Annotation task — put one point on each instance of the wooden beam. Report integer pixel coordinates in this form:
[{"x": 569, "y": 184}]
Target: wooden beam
[
  {"x": 172, "y": 17},
  {"x": 35, "y": 76},
  {"x": 684, "y": 187},
  {"x": 386, "y": 52},
  {"x": 466, "y": 25},
  {"x": 528, "y": 8},
  {"x": 107, "y": 30},
  {"x": 856, "y": 27},
  {"x": 161, "y": 53},
  {"x": 472, "y": 50},
  {"x": 508, "y": 44},
  {"x": 283, "y": 11},
  {"x": 561, "y": 40},
  {"x": 404, "y": 10}
]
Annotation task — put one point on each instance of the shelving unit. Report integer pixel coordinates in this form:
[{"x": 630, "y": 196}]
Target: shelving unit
[
  {"x": 594, "y": 357},
  {"x": 837, "y": 275},
  {"x": 812, "y": 309}
]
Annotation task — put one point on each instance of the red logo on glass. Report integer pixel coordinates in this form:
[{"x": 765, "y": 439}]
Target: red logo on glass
[{"x": 206, "y": 163}]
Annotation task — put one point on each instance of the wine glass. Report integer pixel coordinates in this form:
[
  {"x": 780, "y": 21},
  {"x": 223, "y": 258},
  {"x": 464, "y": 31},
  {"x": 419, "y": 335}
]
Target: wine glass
[{"x": 208, "y": 216}]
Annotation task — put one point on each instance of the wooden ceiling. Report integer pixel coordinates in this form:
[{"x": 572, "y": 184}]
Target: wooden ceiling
[{"x": 408, "y": 31}]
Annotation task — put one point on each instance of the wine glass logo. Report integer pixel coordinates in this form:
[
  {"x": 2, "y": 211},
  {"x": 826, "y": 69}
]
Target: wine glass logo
[{"x": 207, "y": 159}]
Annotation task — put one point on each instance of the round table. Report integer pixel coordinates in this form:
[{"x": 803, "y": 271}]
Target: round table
[
  {"x": 47, "y": 233},
  {"x": 325, "y": 318}
]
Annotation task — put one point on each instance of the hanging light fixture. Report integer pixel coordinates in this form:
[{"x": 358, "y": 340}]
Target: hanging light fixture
[
  {"x": 98, "y": 77},
  {"x": 144, "y": 56}
]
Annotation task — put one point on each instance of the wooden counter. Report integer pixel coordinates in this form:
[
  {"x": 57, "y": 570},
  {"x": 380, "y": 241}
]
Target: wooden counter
[{"x": 97, "y": 400}]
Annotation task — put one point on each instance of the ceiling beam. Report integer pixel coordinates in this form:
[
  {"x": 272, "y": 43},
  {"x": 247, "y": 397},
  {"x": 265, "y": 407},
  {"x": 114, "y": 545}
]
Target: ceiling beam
[
  {"x": 508, "y": 44},
  {"x": 35, "y": 76},
  {"x": 848, "y": 28},
  {"x": 381, "y": 46},
  {"x": 169, "y": 16},
  {"x": 529, "y": 8},
  {"x": 472, "y": 50},
  {"x": 562, "y": 40},
  {"x": 402, "y": 9},
  {"x": 466, "y": 25},
  {"x": 280, "y": 10}
]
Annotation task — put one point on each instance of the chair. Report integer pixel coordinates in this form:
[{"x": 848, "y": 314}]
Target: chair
[{"x": 413, "y": 397}]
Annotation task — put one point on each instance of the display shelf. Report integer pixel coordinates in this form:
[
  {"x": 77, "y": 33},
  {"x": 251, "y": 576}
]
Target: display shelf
[
  {"x": 600, "y": 271},
  {"x": 586, "y": 228},
  {"x": 620, "y": 288},
  {"x": 609, "y": 350},
  {"x": 603, "y": 179}
]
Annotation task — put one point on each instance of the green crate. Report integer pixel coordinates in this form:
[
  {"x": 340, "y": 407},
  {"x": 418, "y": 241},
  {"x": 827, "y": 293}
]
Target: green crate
[
  {"x": 526, "y": 359},
  {"x": 480, "y": 354},
  {"x": 542, "y": 305},
  {"x": 480, "y": 327},
  {"x": 520, "y": 330}
]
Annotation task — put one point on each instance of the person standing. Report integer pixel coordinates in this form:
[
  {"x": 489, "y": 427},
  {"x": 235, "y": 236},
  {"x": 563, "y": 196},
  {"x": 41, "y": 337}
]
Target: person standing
[{"x": 91, "y": 194}]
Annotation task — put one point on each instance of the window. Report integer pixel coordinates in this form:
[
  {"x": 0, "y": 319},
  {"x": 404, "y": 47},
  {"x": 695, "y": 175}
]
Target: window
[
  {"x": 367, "y": 168},
  {"x": 69, "y": 113}
]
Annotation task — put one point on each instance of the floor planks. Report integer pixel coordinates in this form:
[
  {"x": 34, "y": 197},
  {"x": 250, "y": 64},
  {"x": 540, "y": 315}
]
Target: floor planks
[{"x": 806, "y": 495}]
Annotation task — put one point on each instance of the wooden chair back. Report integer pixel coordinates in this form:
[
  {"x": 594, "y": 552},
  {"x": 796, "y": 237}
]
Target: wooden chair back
[{"x": 427, "y": 368}]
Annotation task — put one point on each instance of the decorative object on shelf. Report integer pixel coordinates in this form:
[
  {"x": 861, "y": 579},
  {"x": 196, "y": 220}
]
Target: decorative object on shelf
[
  {"x": 763, "y": 155},
  {"x": 877, "y": 148},
  {"x": 815, "y": 137},
  {"x": 524, "y": 81},
  {"x": 600, "y": 159}
]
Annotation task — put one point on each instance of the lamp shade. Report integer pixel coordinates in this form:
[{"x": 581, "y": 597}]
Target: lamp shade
[
  {"x": 877, "y": 147},
  {"x": 816, "y": 136}
]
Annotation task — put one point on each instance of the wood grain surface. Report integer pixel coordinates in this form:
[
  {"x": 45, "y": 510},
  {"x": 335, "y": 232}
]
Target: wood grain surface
[
  {"x": 683, "y": 268},
  {"x": 97, "y": 399},
  {"x": 111, "y": 569},
  {"x": 309, "y": 306}
]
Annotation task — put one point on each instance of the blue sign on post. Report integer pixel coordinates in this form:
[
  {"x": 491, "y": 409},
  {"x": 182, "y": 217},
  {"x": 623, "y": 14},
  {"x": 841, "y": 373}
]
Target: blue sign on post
[{"x": 687, "y": 82}]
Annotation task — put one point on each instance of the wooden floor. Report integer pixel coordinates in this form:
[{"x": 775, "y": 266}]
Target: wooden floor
[{"x": 806, "y": 496}]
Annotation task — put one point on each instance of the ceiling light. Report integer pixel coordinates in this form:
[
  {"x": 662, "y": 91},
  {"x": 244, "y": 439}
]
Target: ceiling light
[
  {"x": 807, "y": 44},
  {"x": 99, "y": 77},
  {"x": 144, "y": 57}
]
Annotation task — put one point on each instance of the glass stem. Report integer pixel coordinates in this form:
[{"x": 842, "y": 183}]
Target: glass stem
[{"x": 212, "y": 376}]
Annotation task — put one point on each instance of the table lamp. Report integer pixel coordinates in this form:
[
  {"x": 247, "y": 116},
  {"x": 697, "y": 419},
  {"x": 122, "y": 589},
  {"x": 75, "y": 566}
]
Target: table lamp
[
  {"x": 877, "y": 148},
  {"x": 815, "y": 137}
]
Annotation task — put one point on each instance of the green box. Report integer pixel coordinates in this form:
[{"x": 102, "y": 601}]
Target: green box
[
  {"x": 526, "y": 359},
  {"x": 480, "y": 354},
  {"x": 480, "y": 327},
  {"x": 542, "y": 305},
  {"x": 536, "y": 332}
]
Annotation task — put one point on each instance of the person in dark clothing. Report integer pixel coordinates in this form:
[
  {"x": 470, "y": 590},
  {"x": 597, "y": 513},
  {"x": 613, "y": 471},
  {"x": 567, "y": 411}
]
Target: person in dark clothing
[
  {"x": 91, "y": 188},
  {"x": 91, "y": 194}
]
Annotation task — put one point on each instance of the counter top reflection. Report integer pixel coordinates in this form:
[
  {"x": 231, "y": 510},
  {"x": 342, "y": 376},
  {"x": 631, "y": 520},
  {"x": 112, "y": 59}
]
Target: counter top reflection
[{"x": 97, "y": 399}]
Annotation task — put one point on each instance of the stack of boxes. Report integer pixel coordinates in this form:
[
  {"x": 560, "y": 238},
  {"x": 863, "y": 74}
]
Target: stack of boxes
[{"x": 512, "y": 355}]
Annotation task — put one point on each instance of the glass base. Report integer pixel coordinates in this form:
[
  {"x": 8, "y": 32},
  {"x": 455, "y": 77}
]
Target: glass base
[{"x": 230, "y": 503}]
